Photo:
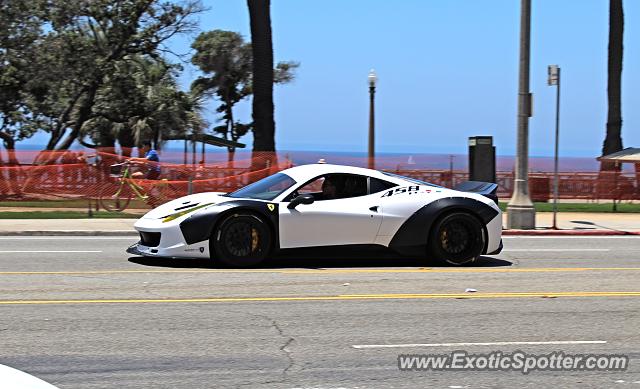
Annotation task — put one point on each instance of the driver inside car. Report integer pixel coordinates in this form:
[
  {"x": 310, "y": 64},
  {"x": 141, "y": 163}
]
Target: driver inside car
[{"x": 332, "y": 188}]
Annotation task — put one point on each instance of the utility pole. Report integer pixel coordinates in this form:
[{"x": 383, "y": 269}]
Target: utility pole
[
  {"x": 520, "y": 211},
  {"x": 372, "y": 92},
  {"x": 554, "y": 79}
]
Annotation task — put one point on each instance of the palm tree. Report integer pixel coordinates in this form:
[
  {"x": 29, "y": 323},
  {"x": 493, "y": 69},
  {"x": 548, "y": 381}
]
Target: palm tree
[
  {"x": 613, "y": 140},
  {"x": 227, "y": 63},
  {"x": 142, "y": 101},
  {"x": 225, "y": 58},
  {"x": 262, "y": 47}
]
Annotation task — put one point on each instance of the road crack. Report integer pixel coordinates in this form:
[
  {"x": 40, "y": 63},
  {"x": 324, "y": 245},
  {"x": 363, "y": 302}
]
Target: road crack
[
  {"x": 284, "y": 349},
  {"x": 289, "y": 340},
  {"x": 287, "y": 352}
]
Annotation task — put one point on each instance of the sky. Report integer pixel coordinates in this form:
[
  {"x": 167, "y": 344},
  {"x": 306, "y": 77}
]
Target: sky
[{"x": 448, "y": 69}]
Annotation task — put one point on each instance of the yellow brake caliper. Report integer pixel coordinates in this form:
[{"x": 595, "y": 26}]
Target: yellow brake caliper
[
  {"x": 444, "y": 238},
  {"x": 255, "y": 239}
]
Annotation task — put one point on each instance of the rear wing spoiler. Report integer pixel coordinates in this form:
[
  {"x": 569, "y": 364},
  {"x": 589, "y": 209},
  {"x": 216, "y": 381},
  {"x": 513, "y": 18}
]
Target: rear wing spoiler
[{"x": 487, "y": 189}]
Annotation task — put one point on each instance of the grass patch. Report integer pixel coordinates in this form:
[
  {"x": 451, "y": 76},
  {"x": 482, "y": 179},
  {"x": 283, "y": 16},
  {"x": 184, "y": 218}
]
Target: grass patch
[
  {"x": 66, "y": 215},
  {"x": 76, "y": 203},
  {"x": 583, "y": 207}
]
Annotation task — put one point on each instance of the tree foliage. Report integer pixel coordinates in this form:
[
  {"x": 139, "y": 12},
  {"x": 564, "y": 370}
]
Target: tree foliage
[
  {"x": 62, "y": 59},
  {"x": 20, "y": 29},
  {"x": 141, "y": 101},
  {"x": 95, "y": 72}
]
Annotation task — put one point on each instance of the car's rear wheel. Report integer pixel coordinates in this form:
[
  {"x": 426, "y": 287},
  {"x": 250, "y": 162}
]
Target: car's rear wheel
[
  {"x": 456, "y": 239},
  {"x": 241, "y": 240}
]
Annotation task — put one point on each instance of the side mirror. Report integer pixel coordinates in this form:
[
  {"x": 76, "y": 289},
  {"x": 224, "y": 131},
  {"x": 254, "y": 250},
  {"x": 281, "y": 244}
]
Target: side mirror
[{"x": 302, "y": 199}]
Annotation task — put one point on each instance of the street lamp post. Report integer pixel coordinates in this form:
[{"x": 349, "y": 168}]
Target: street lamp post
[
  {"x": 520, "y": 211},
  {"x": 373, "y": 78},
  {"x": 554, "y": 79}
]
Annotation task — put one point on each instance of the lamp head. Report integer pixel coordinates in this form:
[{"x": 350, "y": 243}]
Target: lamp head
[{"x": 373, "y": 77}]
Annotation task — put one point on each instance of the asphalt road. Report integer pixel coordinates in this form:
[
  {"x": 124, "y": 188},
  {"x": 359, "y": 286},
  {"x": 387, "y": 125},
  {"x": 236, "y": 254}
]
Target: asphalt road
[{"x": 79, "y": 313}]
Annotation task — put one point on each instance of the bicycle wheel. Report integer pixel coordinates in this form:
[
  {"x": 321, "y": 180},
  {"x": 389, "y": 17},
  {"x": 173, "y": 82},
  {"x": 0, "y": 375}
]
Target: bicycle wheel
[{"x": 115, "y": 199}]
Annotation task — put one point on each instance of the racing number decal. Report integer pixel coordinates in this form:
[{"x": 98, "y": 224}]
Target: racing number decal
[{"x": 409, "y": 189}]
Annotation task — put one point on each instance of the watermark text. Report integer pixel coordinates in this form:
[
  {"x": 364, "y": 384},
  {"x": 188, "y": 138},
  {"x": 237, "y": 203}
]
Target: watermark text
[{"x": 514, "y": 361}]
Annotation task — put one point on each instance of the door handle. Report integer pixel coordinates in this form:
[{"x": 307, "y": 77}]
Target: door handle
[{"x": 374, "y": 208}]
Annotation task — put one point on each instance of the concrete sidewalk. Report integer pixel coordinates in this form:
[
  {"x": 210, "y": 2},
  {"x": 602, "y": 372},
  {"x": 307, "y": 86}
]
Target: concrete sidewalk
[
  {"x": 568, "y": 222},
  {"x": 582, "y": 223},
  {"x": 77, "y": 227}
]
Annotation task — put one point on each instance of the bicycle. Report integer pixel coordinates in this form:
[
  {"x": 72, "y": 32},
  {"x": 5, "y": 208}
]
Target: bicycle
[{"x": 127, "y": 188}]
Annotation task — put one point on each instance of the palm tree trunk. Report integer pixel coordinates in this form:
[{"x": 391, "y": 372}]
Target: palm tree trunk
[
  {"x": 127, "y": 140},
  {"x": 10, "y": 146},
  {"x": 13, "y": 175},
  {"x": 231, "y": 151},
  {"x": 262, "y": 48},
  {"x": 613, "y": 140}
]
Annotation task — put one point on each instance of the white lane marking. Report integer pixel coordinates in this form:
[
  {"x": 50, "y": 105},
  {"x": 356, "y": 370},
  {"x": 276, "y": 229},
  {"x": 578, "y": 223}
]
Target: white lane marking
[
  {"x": 551, "y": 250},
  {"x": 134, "y": 236},
  {"x": 555, "y": 342},
  {"x": 130, "y": 237},
  {"x": 48, "y": 251},
  {"x": 572, "y": 237}
]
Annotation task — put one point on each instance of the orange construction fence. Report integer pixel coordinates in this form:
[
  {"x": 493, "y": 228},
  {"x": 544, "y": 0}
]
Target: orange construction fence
[
  {"x": 88, "y": 175},
  {"x": 91, "y": 178}
]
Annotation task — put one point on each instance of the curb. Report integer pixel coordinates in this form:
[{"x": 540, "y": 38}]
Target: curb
[
  {"x": 567, "y": 233},
  {"x": 70, "y": 233}
]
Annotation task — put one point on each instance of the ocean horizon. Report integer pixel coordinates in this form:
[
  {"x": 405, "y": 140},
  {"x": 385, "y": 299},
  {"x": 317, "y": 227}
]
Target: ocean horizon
[{"x": 384, "y": 160}]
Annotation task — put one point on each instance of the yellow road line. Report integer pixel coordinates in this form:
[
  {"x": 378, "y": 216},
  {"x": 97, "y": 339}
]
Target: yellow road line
[
  {"x": 9, "y": 273},
  {"x": 466, "y": 270},
  {"x": 330, "y": 298},
  {"x": 335, "y": 271}
]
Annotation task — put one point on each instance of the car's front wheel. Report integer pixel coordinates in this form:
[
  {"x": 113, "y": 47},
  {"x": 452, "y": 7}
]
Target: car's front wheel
[
  {"x": 241, "y": 240},
  {"x": 457, "y": 239}
]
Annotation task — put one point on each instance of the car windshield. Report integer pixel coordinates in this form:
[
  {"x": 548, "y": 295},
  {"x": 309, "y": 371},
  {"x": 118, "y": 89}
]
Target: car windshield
[
  {"x": 266, "y": 189},
  {"x": 419, "y": 182}
]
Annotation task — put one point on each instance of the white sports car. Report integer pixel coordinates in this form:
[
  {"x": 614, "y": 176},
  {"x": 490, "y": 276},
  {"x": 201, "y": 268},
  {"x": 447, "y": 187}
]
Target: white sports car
[{"x": 326, "y": 205}]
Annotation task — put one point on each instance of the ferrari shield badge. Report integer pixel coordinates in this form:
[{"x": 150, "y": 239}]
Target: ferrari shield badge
[{"x": 271, "y": 207}]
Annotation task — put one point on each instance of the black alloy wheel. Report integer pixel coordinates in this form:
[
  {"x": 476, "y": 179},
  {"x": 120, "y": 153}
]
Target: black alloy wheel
[
  {"x": 457, "y": 238},
  {"x": 241, "y": 240}
]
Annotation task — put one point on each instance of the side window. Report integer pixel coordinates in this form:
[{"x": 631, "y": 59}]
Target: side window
[
  {"x": 354, "y": 186},
  {"x": 314, "y": 186},
  {"x": 377, "y": 185},
  {"x": 335, "y": 186}
]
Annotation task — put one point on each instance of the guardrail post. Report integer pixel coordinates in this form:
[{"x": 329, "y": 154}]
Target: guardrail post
[{"x": 190, "y": 185}]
